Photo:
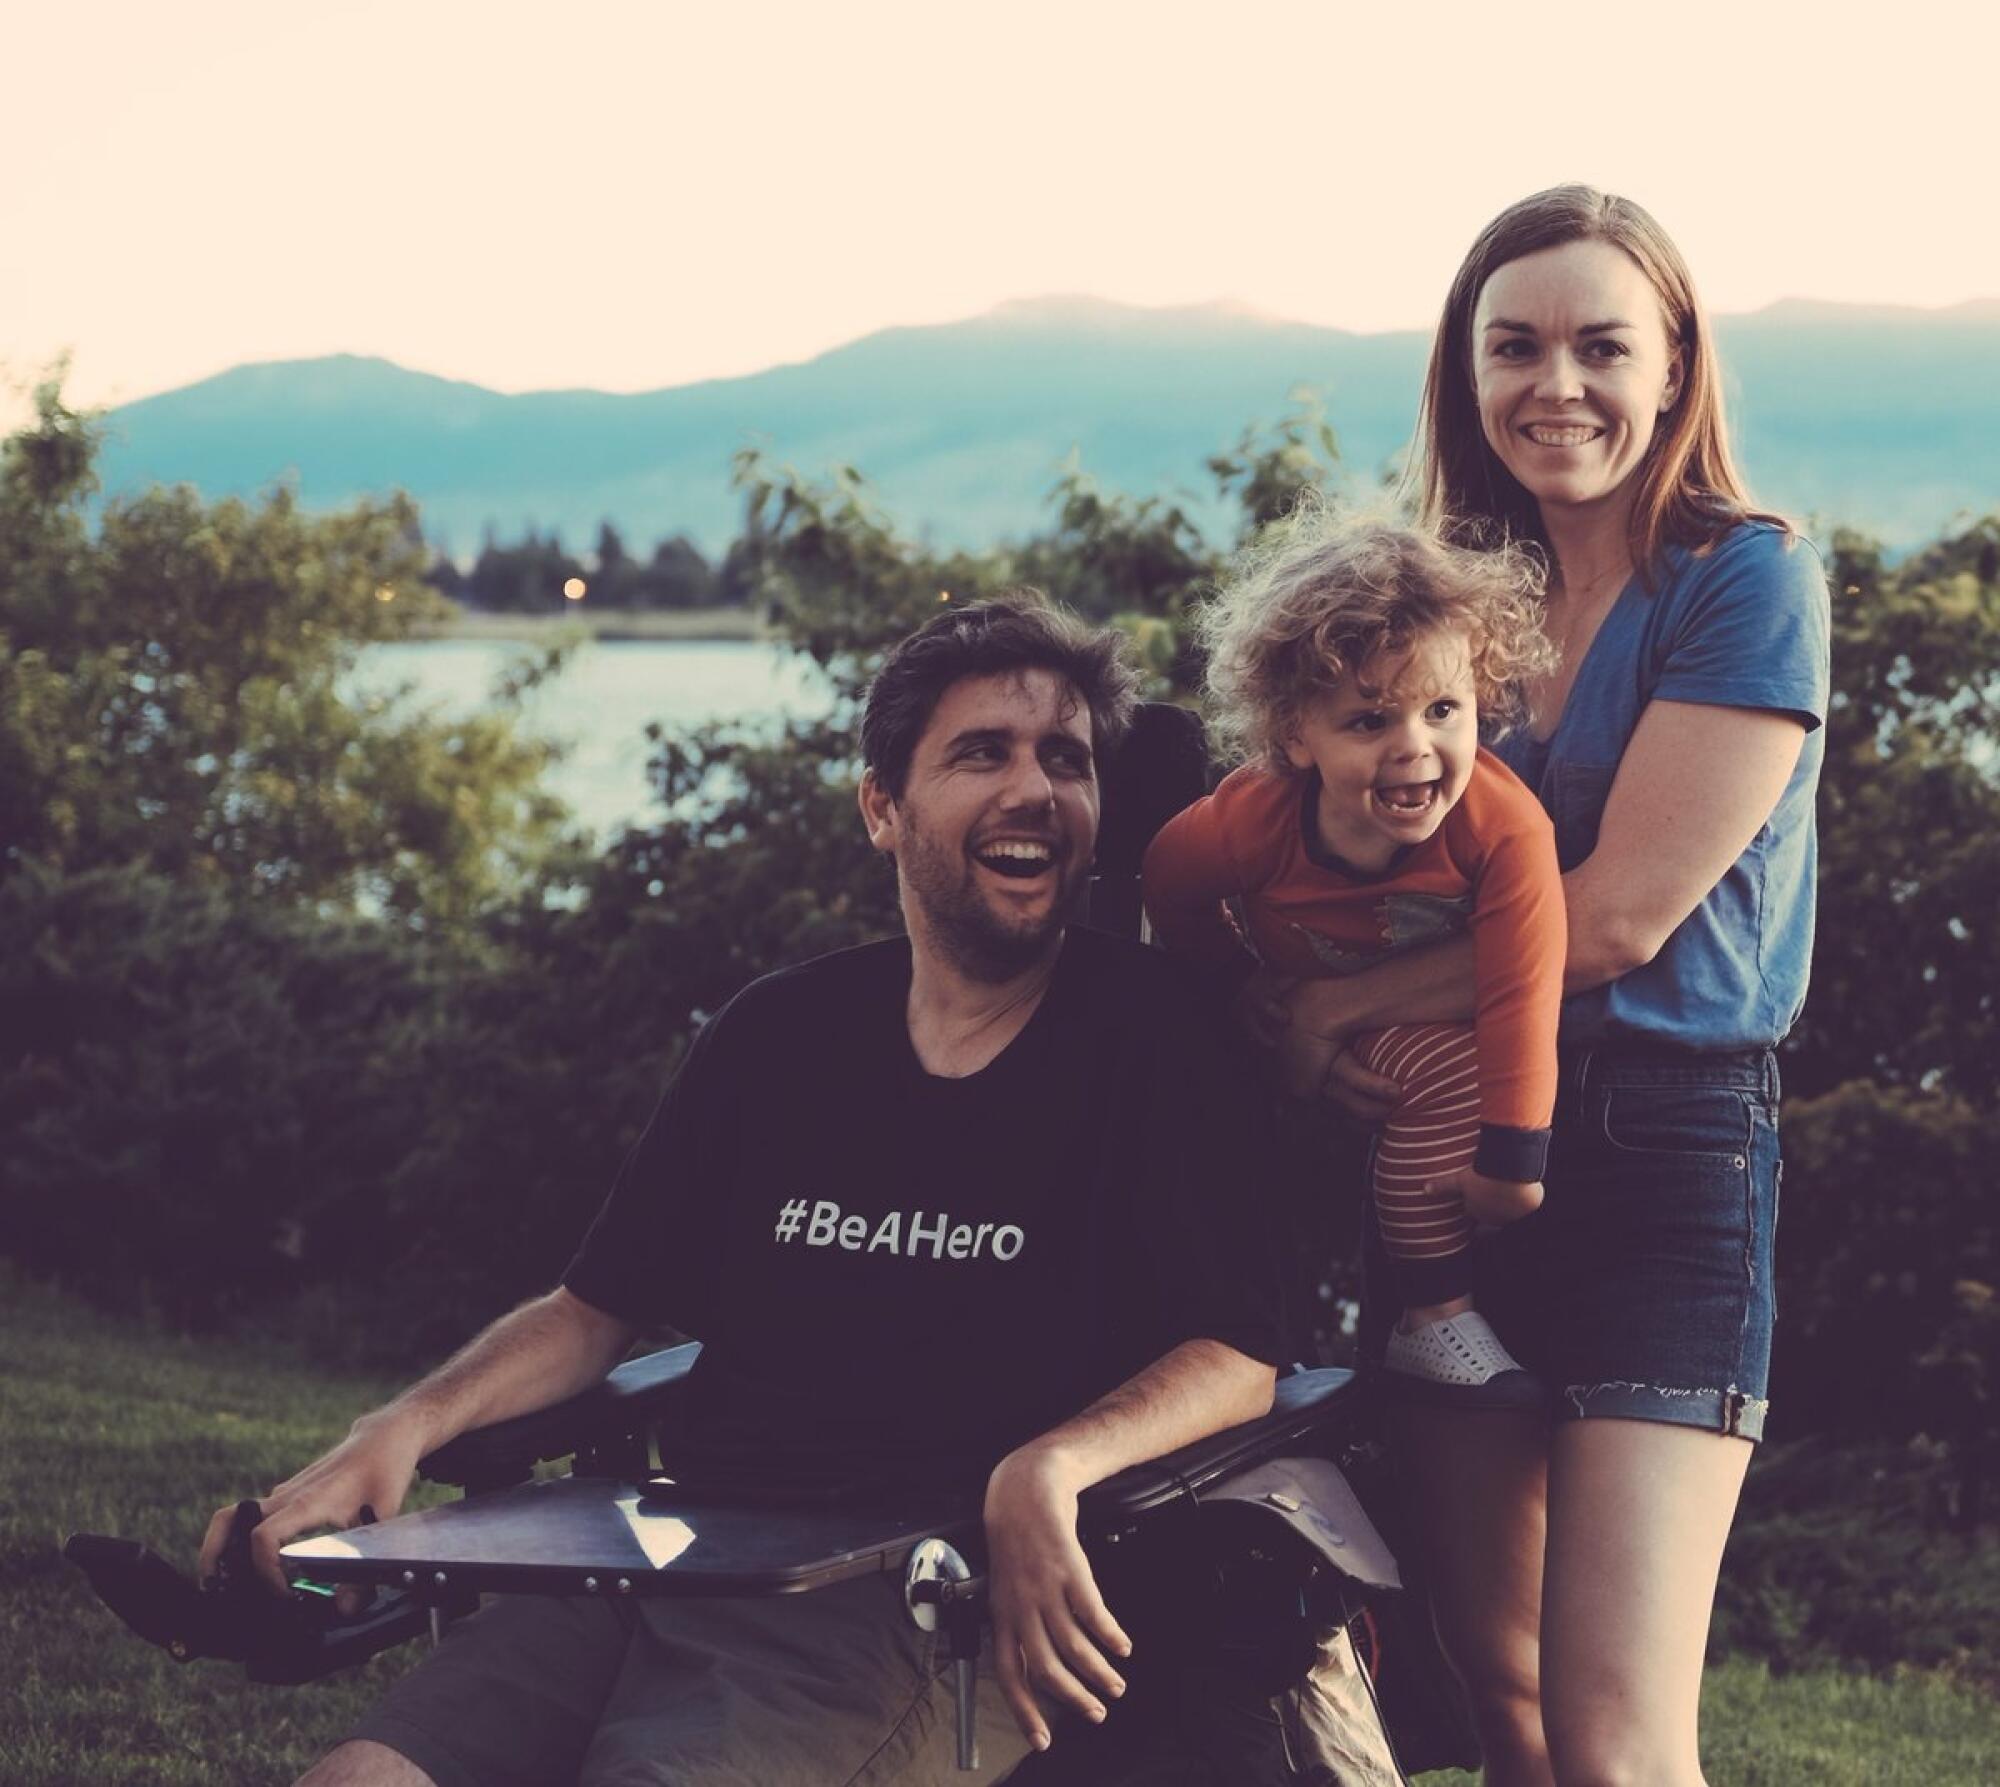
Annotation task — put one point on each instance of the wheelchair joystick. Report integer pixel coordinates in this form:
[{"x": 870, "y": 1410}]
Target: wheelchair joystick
[
  {"x": 279, "y": 1638},
  {"x": 940, "y": 1591}
]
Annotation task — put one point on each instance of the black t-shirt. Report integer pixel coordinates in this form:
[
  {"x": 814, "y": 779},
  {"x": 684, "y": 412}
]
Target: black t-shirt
[{"x": 898, "y": 1277}]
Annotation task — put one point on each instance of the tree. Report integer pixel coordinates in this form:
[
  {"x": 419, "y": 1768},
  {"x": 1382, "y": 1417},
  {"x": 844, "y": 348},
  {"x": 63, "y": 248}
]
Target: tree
[
  {"x": 446, "y": 578},
  {"x": 610, "y": 554},
  {"x": 523, "y": 579},
  {"x": 841, "y": 583},
  {"x": 616, "y": 579},
  {"x": 174, "y": 694},
  {"x": 1906, "y": 969},
  {"x": 1268, "y": 470},
  {"x": 1888, "y": 1248},
  {"x": 679, "y": 577}
]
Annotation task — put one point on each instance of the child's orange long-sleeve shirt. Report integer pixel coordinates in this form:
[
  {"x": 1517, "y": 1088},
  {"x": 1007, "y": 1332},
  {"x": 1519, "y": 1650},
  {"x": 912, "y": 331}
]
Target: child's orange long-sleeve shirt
[{"x": 1490, "y": 867}]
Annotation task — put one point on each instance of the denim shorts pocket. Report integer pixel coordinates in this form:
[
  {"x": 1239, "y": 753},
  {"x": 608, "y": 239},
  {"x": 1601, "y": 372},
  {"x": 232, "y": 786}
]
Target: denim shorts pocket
[{"x": 1693, "y": 1122}]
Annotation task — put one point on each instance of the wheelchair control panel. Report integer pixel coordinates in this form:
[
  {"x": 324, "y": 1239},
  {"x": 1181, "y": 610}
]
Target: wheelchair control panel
[{"x": 235, "y": 1618}]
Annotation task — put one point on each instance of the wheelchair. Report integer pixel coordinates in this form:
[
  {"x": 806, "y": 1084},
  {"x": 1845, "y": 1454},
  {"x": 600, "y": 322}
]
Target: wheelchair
[{"x": 1246, "y": 1558}]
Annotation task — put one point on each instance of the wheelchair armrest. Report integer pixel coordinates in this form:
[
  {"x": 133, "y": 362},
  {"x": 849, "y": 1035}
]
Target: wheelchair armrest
[
  {"x": 1308, "y": 1412},
  {"x": 609, "y": 1428}
]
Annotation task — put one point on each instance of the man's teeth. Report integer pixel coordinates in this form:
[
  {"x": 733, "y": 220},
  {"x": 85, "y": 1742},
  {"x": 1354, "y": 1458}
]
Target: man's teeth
[
  {"x": 1016, "y": 856},
  {"x": 1562, "y": 437}
]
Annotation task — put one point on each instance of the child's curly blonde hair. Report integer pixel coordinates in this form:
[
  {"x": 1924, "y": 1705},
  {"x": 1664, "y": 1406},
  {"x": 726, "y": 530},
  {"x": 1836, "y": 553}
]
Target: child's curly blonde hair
[{"x": 1316, "y": 597}]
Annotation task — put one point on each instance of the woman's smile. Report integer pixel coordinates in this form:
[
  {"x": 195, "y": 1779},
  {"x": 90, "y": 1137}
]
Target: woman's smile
[{"x": 1569, "y": 434}]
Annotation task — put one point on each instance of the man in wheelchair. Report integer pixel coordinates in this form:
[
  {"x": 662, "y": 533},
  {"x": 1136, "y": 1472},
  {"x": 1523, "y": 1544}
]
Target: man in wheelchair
[{"x": 979, "y": 1205}]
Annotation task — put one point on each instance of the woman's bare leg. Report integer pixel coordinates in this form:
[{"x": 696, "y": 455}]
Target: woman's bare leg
[
  {"x": 1638, "y": 1512},
  {"x": 1477, "y": 1483}
]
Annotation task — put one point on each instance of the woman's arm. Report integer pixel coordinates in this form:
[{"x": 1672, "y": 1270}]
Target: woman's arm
[{"x": 1694, "y": 787}]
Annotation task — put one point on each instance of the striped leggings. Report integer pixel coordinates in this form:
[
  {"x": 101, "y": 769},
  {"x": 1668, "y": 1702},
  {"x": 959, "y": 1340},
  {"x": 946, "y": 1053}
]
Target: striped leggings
[{"x": 1432, "y": 1132}]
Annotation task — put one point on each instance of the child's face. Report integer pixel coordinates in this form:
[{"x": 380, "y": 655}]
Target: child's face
[{"x": 1394, "y": 747}]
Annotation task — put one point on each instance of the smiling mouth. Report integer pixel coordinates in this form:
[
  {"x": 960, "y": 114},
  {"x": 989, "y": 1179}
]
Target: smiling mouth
[
  {"x": 1407, "y": 800},
  {"x": 1573, "y": 435},
  {"x": 1018, "y": 859}
]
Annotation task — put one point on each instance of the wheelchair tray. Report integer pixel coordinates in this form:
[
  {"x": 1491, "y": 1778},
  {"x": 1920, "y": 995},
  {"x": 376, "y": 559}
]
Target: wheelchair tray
[
  {"x": 606, "y": 1535},
  {"x": 597, "y": 1535}
]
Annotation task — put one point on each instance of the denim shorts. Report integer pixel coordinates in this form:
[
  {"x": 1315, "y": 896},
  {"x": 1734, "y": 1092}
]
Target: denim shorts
[{"x": 1642, "y": 1287}]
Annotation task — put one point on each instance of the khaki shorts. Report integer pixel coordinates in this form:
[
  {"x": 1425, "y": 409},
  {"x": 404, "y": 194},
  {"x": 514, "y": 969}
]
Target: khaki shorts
[{"x": 836, "y": 1688}]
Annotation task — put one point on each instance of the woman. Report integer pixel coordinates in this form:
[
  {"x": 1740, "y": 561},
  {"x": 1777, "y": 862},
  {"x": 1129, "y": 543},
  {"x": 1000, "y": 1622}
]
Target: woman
[{"x": 1574, "y": 400}]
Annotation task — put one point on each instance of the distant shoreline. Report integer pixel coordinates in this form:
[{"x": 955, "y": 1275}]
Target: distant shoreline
[{"x": 611, "y": 626}]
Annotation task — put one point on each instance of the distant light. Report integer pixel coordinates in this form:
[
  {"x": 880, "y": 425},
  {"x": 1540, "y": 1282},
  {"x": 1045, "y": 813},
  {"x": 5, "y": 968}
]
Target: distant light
[
  {"x": 573, "y": 590},
  {"x": 385, "y": 592},
  {"x": 944, "y": 595}
]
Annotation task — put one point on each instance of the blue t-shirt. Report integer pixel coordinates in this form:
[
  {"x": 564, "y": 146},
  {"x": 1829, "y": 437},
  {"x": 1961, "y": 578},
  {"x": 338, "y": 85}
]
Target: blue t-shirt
[{"x": 1744, "y": 625}]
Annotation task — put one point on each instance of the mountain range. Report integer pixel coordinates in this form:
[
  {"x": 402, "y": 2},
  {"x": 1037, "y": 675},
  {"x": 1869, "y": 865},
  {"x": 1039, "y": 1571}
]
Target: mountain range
[{"x": 1879, "y": 418}]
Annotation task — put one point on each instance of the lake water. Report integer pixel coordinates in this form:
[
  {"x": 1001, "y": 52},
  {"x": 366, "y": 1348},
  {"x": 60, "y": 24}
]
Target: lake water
[{"x": 601, "y": 703}]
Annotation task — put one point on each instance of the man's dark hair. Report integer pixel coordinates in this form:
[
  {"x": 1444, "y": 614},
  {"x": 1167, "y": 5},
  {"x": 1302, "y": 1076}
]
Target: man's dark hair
[{"x": 1021, "y": 630}]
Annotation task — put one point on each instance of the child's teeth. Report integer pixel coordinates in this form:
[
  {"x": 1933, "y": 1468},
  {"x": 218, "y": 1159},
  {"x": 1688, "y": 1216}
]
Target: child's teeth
[{"x": 1409, "y": 799}]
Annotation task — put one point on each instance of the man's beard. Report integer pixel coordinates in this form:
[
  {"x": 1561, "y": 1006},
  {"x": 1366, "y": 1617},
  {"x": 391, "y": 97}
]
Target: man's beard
[{"x": 972, "y": 936}]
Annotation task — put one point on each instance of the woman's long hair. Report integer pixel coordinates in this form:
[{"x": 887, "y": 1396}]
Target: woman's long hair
[{"x": 1689, "y": 491}]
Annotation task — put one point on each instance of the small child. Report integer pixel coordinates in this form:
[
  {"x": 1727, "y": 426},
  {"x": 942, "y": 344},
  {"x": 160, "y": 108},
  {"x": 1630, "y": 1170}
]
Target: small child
[{"x": 1352, "y": 664}]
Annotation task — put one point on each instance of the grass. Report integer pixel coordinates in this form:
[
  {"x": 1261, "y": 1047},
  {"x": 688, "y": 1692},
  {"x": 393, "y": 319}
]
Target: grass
[
  {"x": 114, "y": 1427},
  {"x": 1829, "y": 1728}
]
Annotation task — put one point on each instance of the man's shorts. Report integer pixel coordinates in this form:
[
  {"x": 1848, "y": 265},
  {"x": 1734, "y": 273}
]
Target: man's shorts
[{"x": 836, "y": 1688}]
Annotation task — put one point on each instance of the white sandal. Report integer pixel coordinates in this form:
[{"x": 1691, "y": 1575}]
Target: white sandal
[{"x": 1459, "y": 1359}]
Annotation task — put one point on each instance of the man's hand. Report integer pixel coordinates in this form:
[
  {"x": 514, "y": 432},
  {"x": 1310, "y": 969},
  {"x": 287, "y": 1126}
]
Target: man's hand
[
  {"x": 1259, "y": 1007},
  {"x": 1051, "y": 1629},
  {"x": 1304, "y": 1061},
  {"x": 1492, "y": 1202},
  {"x": 1315, "y": 1059},
  {"x": 550, "y": 1347},
  {"x": 371, "y": 1468}
]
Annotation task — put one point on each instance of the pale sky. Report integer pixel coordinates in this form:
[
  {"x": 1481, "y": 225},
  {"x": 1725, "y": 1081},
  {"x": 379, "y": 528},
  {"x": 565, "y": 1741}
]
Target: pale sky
[{"x": 627, "y": 196}]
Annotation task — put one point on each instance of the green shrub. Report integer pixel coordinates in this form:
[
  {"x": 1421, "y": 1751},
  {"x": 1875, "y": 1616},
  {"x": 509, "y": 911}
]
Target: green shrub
[{"x": 1857, "y": 1556}]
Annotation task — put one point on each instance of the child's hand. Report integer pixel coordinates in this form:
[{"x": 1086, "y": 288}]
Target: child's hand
[{"x": 1491, "y": 1202}]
